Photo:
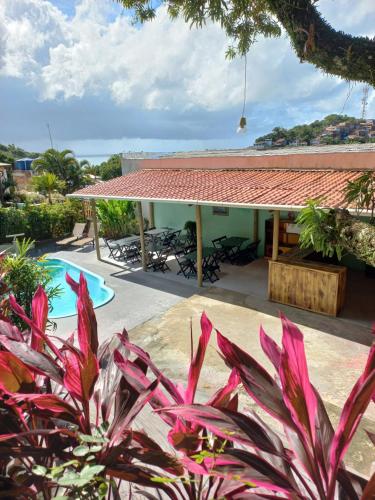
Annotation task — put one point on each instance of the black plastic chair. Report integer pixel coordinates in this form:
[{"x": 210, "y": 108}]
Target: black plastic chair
[
  {"x": 221, "y": 253},
  {"x": 186, "y": 265}
]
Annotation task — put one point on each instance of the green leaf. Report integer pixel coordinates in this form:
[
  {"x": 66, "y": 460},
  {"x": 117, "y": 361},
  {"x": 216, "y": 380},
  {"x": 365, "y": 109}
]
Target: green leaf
[
  {"x": 81, "y": 451},
  {"x": 85, "y": 438},
  {"x": 39, "y": 470},
  {"x": 60, "y": 497},
  {"x": 96, "y": 448},
  {"x": 89, "y": 471},
  {"x": 157, "y": 479}
]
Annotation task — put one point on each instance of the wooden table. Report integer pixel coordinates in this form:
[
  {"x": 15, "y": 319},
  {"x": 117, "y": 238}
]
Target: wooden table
[{"x": 232, "y": 246}]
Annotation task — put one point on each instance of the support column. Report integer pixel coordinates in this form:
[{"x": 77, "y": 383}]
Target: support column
[
  {"x": 152, "y": 214},
  {"x": 142, "y": 235},
  {"x": 275, "y": 238},
  {"x": 96, "y": 232},
  {"x": 256, "y": 225},
  {"x": 198, "y": 220}
]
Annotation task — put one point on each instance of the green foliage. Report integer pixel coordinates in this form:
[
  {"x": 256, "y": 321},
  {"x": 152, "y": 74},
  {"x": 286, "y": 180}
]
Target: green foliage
[
  {"x": 21, "y": 276},
  {"x": 361, "y": 193},
  {"x": 319, "y": 230},
  {"x": 241, "y": 22},
  {"x": 64, "y": 165},
  {"x": 40, "y": 222},
  {"x": 117, "y": 218},
  {"x": 110, "y": 168},
  {"x": 47, "y": 183},
  {"x": 10, "y": 153},
  {"x": 307, "y": 132},
  {"x": 80, "y": 477}
]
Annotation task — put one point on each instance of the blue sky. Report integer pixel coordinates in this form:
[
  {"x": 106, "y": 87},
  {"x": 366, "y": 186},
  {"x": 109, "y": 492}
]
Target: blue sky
[{"x": 107, "y": 86}]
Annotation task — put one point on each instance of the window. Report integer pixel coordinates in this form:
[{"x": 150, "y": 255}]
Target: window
[{"x": 220, "y": 210}]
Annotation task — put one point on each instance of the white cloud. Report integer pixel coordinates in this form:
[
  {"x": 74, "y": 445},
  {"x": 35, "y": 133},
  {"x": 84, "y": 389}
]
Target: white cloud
[{"x": 162, "y": 65}]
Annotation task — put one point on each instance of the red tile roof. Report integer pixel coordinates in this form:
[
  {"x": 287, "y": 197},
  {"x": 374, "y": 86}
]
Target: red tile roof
[{"x": 271, "y": 188}]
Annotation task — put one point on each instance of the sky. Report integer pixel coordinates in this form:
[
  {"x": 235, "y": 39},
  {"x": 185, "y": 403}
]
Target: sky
[{"x": 105, "y": 85}]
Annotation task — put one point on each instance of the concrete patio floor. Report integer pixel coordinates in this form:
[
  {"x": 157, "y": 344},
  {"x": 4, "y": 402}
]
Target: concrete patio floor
[{"x": 157, "y": 310}]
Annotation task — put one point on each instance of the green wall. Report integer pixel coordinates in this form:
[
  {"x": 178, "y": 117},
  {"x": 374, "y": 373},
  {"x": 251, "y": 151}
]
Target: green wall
[{"x": 239, "y": 222}]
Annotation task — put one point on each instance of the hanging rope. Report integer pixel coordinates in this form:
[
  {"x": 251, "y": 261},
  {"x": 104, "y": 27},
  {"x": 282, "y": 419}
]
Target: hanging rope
[
  {"x": 245, "y": 87},
  {"x": 350, "y": 90}
]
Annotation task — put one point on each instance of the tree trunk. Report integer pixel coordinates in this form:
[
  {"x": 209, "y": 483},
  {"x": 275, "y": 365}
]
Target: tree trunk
[
  {"x": 315, "y": 41},
  {"x": 356, "y": 236}
]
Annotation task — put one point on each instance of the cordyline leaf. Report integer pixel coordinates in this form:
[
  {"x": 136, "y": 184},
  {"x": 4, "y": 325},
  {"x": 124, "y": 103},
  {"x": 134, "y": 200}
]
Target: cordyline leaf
[
  {"x": 165, "y": 381},
  {"x": 81, "y": 373},
  {"x": 197, "y": 361},
  {"x": 87, "y": 327},
  {"x": 139, "y": 475},
  {"x": 137, "y": 379},
  {"x": 256, "y": 380},
  {"x": 21, "y": 313},
  {"x": 223, "y": 397},
  {"x": 39, "y": 362},
  {"x": 49, "y": 404},
  {"x": 369, "y": 491},
  {"x": 249, "y": 467},
  {"x": 270, "y": 348},
  {"x": 162, "y": 459},
  {"x": 39, "y": 307},
  {"x": 123, "y": 424},
  {"x": 14, "y": 375},
  {"x": 10, "y": 331},
  {"x": 351, "y": 415},
  {"x": 299, "y": 395},
  {"x": 229, "y": 425}
]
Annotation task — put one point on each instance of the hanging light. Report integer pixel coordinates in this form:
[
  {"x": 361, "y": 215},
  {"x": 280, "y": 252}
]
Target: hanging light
[{"x": 242, "y": 128}]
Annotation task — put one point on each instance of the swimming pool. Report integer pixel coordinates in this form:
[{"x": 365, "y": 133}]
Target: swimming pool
[{"x": 65, "y": 304}]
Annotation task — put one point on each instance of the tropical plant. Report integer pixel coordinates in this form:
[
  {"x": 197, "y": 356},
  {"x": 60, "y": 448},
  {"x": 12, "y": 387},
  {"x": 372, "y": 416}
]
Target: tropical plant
[
  {"x": 191, "y": 228},
  {"x": 117, "y": 218},
  {"x": 20, "y": 275},
  {"x": 336, "y": 231},
  {"x": 110, "y": 168},
  {"x": 47, "y": 183},
  {"x": 361, "y": 193},
  {"x": 41, "y": 222},
  {"x": 68, "y": 419},
  {"x": 67, "y": 412},
  {"x": 64, "y": 165}
]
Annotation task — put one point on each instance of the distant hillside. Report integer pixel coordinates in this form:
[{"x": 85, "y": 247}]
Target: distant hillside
[
  {"x": 333, "y": 129},
  {"x": 10, "y": 153}
]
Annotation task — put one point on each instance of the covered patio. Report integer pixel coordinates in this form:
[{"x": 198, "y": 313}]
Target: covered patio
[{"x": 252, "y": 204}]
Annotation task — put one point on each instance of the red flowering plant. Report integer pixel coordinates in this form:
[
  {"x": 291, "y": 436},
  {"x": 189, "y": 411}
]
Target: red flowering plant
[
  {"x": 67, "y": 412},
  {"x": 69, "y": 419}
]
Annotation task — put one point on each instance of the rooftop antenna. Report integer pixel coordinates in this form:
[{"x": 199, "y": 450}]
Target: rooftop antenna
[
  {"x": 364, "y": 101},
  {"x": 50, "y": 135}
]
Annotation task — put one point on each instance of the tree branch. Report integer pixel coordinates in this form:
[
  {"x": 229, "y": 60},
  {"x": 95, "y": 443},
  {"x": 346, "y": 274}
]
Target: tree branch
[{"x": 315, "y": 41}]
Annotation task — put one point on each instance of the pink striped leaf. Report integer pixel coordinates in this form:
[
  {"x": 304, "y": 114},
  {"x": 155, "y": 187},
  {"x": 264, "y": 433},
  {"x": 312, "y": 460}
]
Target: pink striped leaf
[
  {"x": 298, "y": 393},
  {"x": 270, "y": 348},
  {"x": 39, "y": 309},
  {"x": 256, "y": 380},
  {"x": 197, "y": 361}
]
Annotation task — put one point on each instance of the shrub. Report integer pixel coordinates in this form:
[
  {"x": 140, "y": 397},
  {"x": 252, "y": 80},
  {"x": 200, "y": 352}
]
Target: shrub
[
  {"x": 40, "y": 222},
  {"x": 20, "y": 276},
  {"x": 117, "y": 218},
  {"x": 68, "y": 414}
]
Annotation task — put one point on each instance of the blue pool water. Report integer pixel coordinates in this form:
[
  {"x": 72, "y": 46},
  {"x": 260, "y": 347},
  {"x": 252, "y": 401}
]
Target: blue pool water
[{"x": 65, "y": 304}]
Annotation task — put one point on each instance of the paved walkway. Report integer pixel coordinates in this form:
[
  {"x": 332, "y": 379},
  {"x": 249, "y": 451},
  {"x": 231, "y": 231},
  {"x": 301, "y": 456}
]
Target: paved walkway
[{"x": 158, "y": 312}]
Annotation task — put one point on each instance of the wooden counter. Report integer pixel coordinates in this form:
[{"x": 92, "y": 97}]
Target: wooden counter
[{"x": 308, "y": 285}]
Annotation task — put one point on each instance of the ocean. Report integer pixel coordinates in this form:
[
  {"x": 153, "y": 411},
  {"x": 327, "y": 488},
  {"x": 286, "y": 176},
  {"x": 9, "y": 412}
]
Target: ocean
[{"x": 94, "y": 159}]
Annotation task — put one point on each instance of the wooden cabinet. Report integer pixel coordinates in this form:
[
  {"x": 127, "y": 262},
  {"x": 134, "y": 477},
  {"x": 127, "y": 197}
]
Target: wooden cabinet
[
  {"x": 288, "y": 236},
  {"x": 307, "y": 285}
]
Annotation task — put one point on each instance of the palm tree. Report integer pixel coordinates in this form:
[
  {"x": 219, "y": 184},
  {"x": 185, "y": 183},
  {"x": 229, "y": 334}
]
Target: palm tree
[
  {"x": 64, "y": 165},
  {"x": 47, "y": 183}
]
